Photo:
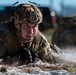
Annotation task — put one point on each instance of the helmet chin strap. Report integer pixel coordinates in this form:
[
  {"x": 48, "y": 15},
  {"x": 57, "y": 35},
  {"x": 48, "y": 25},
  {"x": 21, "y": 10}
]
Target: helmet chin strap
[{"x": 20, "y": 32}]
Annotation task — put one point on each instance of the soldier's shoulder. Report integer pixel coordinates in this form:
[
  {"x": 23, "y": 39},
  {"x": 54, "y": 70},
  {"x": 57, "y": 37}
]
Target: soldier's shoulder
[
  {"x": 3, "y": 24},
  {"x": 40, "y": 34},
  {"x": 4, "y": 30}
]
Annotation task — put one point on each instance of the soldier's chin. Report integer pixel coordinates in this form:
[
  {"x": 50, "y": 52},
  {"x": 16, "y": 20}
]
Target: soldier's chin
[{"x": 27, "y": 40}]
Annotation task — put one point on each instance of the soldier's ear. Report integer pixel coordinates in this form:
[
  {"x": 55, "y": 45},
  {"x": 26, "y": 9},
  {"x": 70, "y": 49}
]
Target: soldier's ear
[{"x": 16, "y": 24}]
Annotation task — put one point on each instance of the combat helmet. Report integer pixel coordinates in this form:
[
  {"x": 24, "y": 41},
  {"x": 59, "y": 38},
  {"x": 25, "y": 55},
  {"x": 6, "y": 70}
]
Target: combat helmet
[{"x": 27, "y": 12}]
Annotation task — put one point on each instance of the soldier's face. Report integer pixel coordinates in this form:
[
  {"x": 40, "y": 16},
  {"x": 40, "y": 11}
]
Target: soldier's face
[{"x": 29, "y": 31}]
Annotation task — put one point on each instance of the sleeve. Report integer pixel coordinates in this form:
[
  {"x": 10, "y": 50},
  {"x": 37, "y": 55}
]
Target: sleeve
[
  {"x": 48, "y": 52},
  {"x": 44, "y": 52},
  {"x": 4, "y": 42}
]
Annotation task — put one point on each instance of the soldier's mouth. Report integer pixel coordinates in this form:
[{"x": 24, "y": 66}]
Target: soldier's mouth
[{"x": 29, "y": 36}]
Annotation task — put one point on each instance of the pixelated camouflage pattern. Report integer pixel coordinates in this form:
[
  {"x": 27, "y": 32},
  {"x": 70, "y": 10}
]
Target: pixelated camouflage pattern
[
  {"x": 9, "y": 44},
  {"x": 65, "y": 38},
  {"x": 28, "y": 13},
  {"x": 64, "y": 35}
]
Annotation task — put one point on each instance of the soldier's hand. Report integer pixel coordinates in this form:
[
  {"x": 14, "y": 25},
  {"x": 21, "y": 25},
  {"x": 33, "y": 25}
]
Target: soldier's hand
[
  {"x": 25, "y": 56},
  {"x": 34, "y": 55}
]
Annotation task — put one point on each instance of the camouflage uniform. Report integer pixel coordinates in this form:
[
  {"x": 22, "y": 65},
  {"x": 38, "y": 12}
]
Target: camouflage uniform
[
  {"x": 10, "y": 41},
  {"x": 10, "y": 46},
  {"x": 64, "y": 35}
]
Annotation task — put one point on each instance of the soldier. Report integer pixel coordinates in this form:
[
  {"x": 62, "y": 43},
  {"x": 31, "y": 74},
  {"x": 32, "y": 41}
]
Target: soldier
[
  {"x": 21, "y": 37},
  {"x": 64, "y": 35}
]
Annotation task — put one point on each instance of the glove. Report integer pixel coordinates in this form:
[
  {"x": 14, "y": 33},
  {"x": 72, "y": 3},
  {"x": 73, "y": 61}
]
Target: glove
[
  {"x": 34, "y": 55},
  {"x": 25, "y": 56}
]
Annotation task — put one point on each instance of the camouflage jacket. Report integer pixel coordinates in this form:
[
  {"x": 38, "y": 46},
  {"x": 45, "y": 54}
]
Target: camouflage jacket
[
  {"x": 9, "y": 43},
  {"x": 64, "y": 38}
]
